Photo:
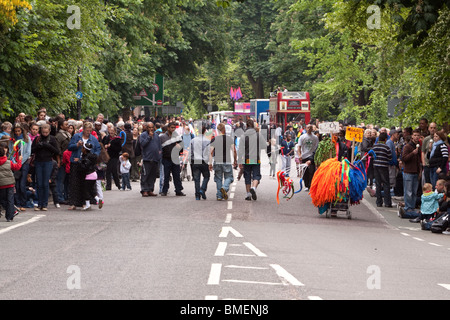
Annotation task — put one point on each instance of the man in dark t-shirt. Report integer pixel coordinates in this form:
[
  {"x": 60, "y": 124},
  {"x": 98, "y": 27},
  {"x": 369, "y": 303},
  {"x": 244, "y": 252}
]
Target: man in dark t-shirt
[{"x": 223, "y": 152}]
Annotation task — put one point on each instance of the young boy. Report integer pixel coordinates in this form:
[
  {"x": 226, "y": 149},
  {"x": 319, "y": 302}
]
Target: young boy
[
  {"x": 7, "y": 181},
  {"x": 125, "y": 166}
]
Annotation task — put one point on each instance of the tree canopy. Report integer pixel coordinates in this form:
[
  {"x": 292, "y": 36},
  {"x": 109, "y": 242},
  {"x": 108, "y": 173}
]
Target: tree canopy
[{"x": 353, "y": 56}]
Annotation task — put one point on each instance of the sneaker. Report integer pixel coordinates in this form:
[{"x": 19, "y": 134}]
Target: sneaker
[
  {"x": 100, "y": 203},
  {"x": 219, "y": 199},
  {"x": 202, "y": 193},
  {"x": 44, "y": 208},
  {"x": 37, "y": 208},
  {"x": 415, "y": 220},
  {"x": 446, "y": 232},
  {"x": 249, "y": 198},
  {"x": 86, "y": 208},
  {"x": 253, "y": 192},
  {"x": 57, "y": 205},
  {"x": 181, "y": 194},
  {"x": 224, "y": 194}
]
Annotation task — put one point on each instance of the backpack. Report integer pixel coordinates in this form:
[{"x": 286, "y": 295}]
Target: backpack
[{"x": 440, "y": 224}]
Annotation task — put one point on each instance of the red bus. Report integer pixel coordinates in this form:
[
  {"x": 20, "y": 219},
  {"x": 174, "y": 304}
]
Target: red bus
[{"x": 290, "y": 106}]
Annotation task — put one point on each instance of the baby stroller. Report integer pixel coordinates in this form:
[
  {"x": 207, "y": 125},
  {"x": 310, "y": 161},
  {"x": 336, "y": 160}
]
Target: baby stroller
[{"x": 184, "y": 159}]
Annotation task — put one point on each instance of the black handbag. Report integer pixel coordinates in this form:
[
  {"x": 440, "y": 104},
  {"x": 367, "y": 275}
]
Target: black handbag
[{"x": 440, "y": 224}]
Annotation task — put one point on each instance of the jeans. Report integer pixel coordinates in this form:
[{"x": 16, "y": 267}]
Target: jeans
[
  {"x": 175, "y": 169},
  {"x": 21, "y": 186},
  {"x": 7, "y": 202},
  {"x": 161, "y": 176},
  {"x": 43, "y": 174},
  {"x": 199, "y": 170},
  {"x": 433, "y": 176},
  {"x": 410, "y": 185},
  {"x": 126, "y": 181},
  {"x": 223, "y": 176},
  {"x": 60, "y": 184},
  {"x": 252, "y": 172},
  {"x": 382, "y": 184}
]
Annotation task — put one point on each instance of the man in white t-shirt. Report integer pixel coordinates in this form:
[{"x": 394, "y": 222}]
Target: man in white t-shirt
[{"x": 308, "y": 145}]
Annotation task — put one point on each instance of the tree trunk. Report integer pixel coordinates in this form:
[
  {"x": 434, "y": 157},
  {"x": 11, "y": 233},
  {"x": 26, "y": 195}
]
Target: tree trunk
[{"x": 257, "y": 85}]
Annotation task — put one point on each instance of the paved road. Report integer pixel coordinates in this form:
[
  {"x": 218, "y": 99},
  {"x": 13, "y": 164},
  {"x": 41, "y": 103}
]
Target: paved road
[{"x": 178, "y": 248}]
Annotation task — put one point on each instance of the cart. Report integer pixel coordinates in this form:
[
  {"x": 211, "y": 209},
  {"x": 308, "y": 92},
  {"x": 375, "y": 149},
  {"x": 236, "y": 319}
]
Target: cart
[{"x": 332, "y": 208}]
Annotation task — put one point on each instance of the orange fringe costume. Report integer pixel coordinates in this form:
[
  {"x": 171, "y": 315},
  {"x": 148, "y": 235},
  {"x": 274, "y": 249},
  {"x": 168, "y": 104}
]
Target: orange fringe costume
[{"x": 330, "y": 182}]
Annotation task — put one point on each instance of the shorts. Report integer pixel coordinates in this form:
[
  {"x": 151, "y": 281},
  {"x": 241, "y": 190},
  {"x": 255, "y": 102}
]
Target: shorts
[{"x": 252, "y": 172}]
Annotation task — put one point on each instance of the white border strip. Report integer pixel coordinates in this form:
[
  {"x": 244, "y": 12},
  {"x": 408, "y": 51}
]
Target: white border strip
[{"x": 34, "y": 219}]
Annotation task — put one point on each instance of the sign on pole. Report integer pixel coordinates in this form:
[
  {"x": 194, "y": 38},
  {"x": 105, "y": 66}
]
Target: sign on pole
[
  {"x": 329, "y": 127},
  {"x": 355, "y": 134}
]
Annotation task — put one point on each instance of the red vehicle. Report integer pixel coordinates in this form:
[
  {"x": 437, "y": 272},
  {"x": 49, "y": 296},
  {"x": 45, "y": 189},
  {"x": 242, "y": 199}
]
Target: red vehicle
[{"x": 290, "y": 106}]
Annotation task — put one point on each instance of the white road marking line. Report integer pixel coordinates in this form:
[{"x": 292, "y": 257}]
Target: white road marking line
[
  {"x": 230, "y": 205},
  {"x": 254, "y": 282},
  {"x": 286, "y": 275},
  {"x": 445, "y": 285},
  {"x": 245, "y": 267},
  {"x": 214, "y": 274},
  {"x": 231, "y": 195},
  {"x": 418, "y": 239},
  {"x": 435, "y": 244},
  {"x": 211, "y": 298},
  {"x": 314, "y": 298},
  {"x": 241, "y": 255},
  {"x": 233, "y": 189},
  {"x": 34, "y": 219},
  {"x": 254, "y": 249},
  {"x": 405, "y": 234},
  {"x": 228, "y": 218},
  {"x": 226, "y": 230},
  {"x": 220, "y": 251}
]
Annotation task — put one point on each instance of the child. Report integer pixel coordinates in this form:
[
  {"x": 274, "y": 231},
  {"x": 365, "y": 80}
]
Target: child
[
  {"x": 101, "y": 166},
  {"x": 125, "y": 166},
  {"x": 7, "y": 181},
  {"x": 88, "y": 163},
  {"x": 273, "y": 157},
  {"x": 430, "y": 204}
]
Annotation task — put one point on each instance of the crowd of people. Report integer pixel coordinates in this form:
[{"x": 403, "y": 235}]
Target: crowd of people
[{"x": 76, "y": 161}]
